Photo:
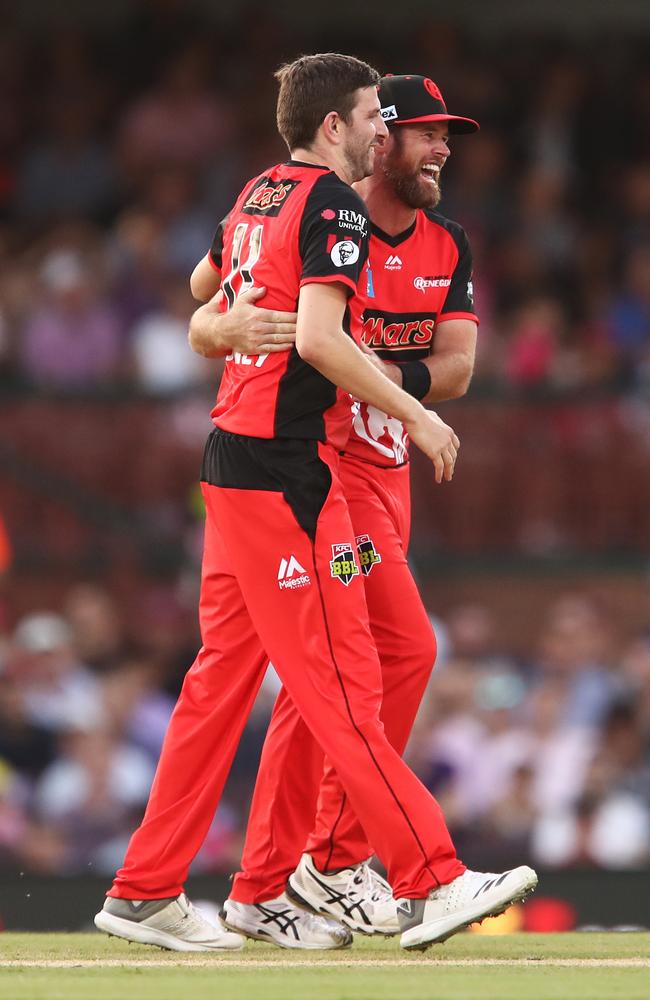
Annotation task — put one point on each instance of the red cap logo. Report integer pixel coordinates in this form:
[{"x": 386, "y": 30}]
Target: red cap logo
[{"x": 431, "y": 88}]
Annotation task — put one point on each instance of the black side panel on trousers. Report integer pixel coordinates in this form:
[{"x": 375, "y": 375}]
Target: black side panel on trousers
[{"x": 290, "y": 467}]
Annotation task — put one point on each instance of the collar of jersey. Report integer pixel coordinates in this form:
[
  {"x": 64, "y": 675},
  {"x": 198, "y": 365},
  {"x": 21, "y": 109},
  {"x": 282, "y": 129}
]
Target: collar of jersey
[
  {"x": 303, "y": 163},
  {"x": 393, "y": 241}
]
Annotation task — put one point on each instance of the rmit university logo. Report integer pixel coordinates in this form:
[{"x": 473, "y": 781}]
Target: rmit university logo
[
  {"x": 368, "y": 555},
  {"x": 343, "y": 566},
  {"x": 353, "y": 220},
  {"x": 268, "y": 197},
  {"x": 291, "y": 575}
]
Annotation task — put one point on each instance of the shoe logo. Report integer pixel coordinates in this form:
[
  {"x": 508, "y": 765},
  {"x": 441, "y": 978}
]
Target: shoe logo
[
  {"x": 291, "y": 575},
  {"x": 406, "y": 907},
  {"x": 285, "y": 921},
  {"x": 487, "y": 885},
  {"x": 393, "y": 263},
  {"x": 344, "y": 900}
]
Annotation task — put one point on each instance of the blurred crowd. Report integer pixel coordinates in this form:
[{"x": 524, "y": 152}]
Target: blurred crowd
[
  {"x": 542, "y": 757},
  {"x": 120, "y": 151},
  {"x": 116, "y": 172}
]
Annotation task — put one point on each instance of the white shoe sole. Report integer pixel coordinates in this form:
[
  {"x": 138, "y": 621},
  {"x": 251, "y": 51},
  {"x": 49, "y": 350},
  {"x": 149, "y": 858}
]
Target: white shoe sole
[
  {"x": 436, "y": 931},
  {"x": 288, "y": 943},
  {"x": 142, "y": 934},
  {"x": 302, "y": 897}
]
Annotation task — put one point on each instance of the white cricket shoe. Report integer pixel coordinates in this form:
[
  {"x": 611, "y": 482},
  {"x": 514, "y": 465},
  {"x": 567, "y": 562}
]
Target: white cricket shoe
[
  {"x": 284, "y": 924},
  {"x": 170, "y": 923},
  {"x": 469, "y": 898},
  {"x": 358, "y": 897}
]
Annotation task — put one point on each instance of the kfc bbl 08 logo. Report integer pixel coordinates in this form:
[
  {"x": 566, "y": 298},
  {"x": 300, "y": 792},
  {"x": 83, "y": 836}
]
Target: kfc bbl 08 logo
[
  {"x": 368, "y": 555},
  {"x": 343, "y": 566}
]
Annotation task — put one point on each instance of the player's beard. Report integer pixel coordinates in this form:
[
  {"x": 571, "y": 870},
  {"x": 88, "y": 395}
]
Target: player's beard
[
  {"x": 407, "y": 182},
  {"x": 360, "y": 159}
]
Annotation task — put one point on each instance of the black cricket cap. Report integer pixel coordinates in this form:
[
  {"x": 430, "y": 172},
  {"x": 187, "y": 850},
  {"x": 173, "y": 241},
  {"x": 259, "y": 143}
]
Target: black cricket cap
[{"x": 409, "y": 99}]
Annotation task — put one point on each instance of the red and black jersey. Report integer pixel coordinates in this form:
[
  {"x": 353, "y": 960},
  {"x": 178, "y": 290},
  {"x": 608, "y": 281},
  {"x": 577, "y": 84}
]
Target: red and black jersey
[
  {"x": 294, "y": 224},
  {"x": 417, "y": 279}
]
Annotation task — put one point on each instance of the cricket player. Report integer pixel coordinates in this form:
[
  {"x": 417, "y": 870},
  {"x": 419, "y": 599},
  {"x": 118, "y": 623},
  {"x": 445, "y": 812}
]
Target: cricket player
[
  {"x": 273, "y": 497},
  {"x": 419, "y": 313}
]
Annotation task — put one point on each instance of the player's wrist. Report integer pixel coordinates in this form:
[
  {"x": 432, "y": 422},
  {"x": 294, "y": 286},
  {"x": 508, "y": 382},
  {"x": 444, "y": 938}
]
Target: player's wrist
[{"x": 416, "y": 379}]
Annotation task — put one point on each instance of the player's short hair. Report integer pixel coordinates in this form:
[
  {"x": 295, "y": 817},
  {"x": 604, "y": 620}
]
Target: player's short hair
[{"x": 312, "y": 86}]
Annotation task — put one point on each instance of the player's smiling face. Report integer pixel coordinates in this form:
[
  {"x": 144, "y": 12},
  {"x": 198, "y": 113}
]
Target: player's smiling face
[
  {"x": 365, "y": 130},
  {"x": 413, "y": 159}
]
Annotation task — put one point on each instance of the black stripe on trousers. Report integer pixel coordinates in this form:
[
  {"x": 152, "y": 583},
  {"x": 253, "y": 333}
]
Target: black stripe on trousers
[{"x": 360, "y": 734}]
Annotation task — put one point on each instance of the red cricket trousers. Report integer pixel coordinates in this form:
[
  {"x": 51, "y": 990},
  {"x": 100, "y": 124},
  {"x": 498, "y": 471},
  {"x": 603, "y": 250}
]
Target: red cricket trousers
[
  {"x": 295, "y": 805},
  {"x": 280, "y": 576}
]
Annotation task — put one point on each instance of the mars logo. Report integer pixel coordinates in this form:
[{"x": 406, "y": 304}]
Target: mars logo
[
  {"x": 368, "y": 555},
  {"x": 343, "y": 566},
  {"x": 268, "y": 197},
  {"x": 383, "y": 330},
  {"x": 343, "y": 253}
]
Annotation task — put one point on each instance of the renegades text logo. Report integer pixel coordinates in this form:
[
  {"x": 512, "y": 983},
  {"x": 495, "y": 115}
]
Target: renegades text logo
[
  {"x": 431, "y": 281},
  {"x": 268, "y": 197},
  {"x": 343, "y": 566},
  {"x": 403, "y": 331},
  {"x": 368, "y": 555}
]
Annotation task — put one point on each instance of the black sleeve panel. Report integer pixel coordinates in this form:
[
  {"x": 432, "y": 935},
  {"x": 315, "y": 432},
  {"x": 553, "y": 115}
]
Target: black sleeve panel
[
  {"x": 460, "y": 297},
  {"x": 216, "y": 250},
  {"x": 333, "y": 239}
]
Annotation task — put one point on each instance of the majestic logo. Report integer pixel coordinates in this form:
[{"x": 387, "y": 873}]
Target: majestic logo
[
  {"x": 344, "y": 253},
  {"x": 470, "y": 291},
  {"x": 353, "y": 220},
  {"x": 268, "y": 197},
  {"x": 439, "y": 281},
  {"x": 368, "y": 555},
  {"x": 389, "y": 113},
  {"x": 410, "y": 331},
  {"x": 393, "y": 263},
  {"x": 328, "y": 213},
  {"x": 291, "y": 575},
  {"x": 343, "y": 566}
]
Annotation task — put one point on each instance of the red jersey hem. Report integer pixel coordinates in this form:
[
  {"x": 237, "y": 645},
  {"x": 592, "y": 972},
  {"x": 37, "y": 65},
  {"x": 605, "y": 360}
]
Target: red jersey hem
[
  {"x": 329, "y": 279},
  {"x": 458, "y": 315}
]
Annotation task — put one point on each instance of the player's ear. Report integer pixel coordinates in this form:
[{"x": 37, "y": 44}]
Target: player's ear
[{"x": 331, "y": 127}]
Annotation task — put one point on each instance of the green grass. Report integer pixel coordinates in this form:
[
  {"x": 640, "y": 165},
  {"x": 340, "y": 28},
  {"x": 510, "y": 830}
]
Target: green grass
[{"x": 368, "y": 971}]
